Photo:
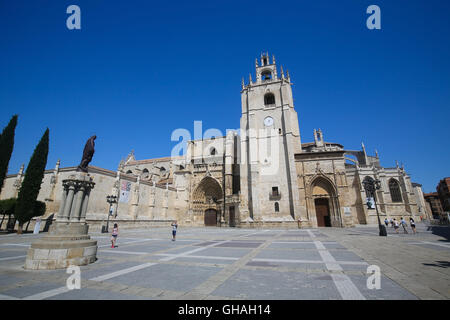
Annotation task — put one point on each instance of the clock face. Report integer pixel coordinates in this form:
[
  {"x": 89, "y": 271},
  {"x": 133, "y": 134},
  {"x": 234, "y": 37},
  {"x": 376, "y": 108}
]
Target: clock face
[{"x": 268, "y": 121}]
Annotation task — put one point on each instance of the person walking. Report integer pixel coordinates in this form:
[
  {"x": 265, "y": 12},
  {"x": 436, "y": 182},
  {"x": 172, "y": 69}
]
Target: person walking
[
  {"x": 395, "y": 222},
  {"x": 413, "y": 225},
  {"x": 174, "y": 229},
  {"x": 114, "y": 235},
  {"x": 386, "y": 221},
  {"x": 404, "y": 225}
]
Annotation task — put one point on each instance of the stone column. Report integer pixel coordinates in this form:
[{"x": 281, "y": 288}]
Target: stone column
[
  {"x": 152, "y": 201},
  {"x": 69, "y": 200},
  {"x": 84, "y": 206},
  {"x": 76, "y": 212},
  {"x": 62, "y": 204}
]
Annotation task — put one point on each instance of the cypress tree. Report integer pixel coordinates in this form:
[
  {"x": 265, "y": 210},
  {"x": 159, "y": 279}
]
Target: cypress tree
[
  {"x": 6, "y": 147},
  {"x": 31, "y": 184}
]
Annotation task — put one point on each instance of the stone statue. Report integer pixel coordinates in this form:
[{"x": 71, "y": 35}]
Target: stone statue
[{"x": 88, "y": 153}]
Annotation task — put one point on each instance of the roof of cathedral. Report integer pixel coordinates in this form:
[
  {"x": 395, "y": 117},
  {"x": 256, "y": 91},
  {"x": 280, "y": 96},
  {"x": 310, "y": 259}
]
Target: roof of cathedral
[
  {"x": 134, "y": 162},
  {"x": 308, "y": 144}
]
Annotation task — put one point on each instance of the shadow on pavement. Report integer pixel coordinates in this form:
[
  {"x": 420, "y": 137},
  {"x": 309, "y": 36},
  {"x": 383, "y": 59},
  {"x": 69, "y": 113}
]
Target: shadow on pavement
[
  {"x": 442, "y": 231},
  {"x": 440, "y": 264}
]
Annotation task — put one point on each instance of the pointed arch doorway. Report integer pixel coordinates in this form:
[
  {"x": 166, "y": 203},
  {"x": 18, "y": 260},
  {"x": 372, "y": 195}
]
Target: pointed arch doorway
[
  {"x": 207, "y": 200},
  {"x": 325, "y": 202}
]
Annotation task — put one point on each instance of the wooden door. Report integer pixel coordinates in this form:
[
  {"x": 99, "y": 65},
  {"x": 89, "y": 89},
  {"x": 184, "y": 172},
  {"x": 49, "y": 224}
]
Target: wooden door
[
  {"x": 232, "y": 217},
  {"x": 210, "y": 218},
  {"x": 322, "y": 212}
]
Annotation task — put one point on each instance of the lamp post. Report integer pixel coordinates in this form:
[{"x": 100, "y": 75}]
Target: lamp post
[
  {"x": 111, "y": 200},
  {"x": 371, "y": 185}
]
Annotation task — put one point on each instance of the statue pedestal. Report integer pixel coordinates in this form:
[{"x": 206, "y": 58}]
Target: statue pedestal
[{"x": 67, "y": 242}]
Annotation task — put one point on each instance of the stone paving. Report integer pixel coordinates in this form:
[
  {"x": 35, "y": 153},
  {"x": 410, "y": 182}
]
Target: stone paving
[{"x": 231, "y": 263}]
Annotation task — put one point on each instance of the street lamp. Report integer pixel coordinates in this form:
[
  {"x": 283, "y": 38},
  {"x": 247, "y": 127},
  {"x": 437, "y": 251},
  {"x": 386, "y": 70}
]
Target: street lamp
[
  {"x": 371, "y": 185},
  {"x": 111, "y": 200}
]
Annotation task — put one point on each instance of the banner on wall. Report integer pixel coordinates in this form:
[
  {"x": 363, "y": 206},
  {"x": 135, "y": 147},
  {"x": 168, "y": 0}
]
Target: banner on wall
[{"x": 125, "y": 188}]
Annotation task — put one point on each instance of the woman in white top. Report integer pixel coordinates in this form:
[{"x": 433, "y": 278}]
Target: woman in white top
[{"x": 396, "y": 225}]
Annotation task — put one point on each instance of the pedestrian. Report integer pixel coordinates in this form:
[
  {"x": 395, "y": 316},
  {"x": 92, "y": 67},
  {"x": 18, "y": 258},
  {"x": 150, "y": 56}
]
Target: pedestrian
[
  {"x": 404, "y": 225},
  {"x": 392, "y": 222},
  {"x": 395, "y": 225},
  {"x": 174, "y": 229},
  {"x": 386, "y": 221},
  {"x": 114, "y": 235},
  {"x": 413, "y": 225}
]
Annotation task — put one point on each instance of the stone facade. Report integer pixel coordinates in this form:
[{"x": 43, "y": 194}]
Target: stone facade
[{"x": 262, "y": 175}]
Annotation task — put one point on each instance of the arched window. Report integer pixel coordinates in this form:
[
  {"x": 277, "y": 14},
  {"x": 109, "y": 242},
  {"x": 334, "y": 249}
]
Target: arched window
[
  {"x": 277, "y": 207},
  {"x": 269, "y": 98},
  {"x": 129, "y": 172},
  {"x": 368, "y": 179},
  {"x": 213, "y": 151},
  {"x": 145, "y": 174},
  {"x": 162, "y": 170},
  {"x": 394, "y": 189}
]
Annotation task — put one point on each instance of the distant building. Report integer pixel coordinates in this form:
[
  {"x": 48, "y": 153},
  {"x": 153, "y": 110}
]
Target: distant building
[
  {"x": 444, "y": 194},
  {"x": 434, "y": 204}
]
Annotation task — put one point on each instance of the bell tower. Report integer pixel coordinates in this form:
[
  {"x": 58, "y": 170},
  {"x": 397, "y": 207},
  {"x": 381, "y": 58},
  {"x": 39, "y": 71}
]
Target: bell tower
[{"x": 270, "y": 137}]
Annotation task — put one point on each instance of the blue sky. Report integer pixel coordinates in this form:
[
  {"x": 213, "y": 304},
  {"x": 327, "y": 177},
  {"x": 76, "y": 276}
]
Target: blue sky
[{"x": 137, "y": 70}]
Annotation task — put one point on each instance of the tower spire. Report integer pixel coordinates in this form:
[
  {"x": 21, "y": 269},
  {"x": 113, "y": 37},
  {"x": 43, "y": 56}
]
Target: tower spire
[{"x": 282, "y": 73}]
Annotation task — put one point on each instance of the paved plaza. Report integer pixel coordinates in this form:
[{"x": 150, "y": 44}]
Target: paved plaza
[{"x": 231, "y": 263}]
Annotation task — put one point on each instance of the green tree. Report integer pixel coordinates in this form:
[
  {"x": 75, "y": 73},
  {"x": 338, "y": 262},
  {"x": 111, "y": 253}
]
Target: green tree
[
  {"x": 31, "y": 184},
  {"x": 6, "y": 147},
  {"x": 8, "y": 207}
]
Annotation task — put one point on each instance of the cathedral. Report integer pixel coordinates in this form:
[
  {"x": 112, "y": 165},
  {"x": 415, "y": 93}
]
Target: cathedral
[{"x": 262, "y": 175}]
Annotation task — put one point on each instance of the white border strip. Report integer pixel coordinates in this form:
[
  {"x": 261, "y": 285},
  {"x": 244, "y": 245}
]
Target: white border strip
[{"x": 343, "y": 283}]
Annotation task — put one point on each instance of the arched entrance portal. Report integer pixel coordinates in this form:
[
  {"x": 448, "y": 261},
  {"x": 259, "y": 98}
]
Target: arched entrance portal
[
  {"x": 325, "y": 202},
  {"x": 207, "y": 199}
]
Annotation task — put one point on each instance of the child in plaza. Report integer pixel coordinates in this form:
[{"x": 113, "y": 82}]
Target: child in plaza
[
  {"x": 413, "y": 225},
  {"x": 174, "y": 229},
  {"x": 395, "y": 225},
  {"x": 404, "y": 225},
  {"x": 114, "y": 235}
]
